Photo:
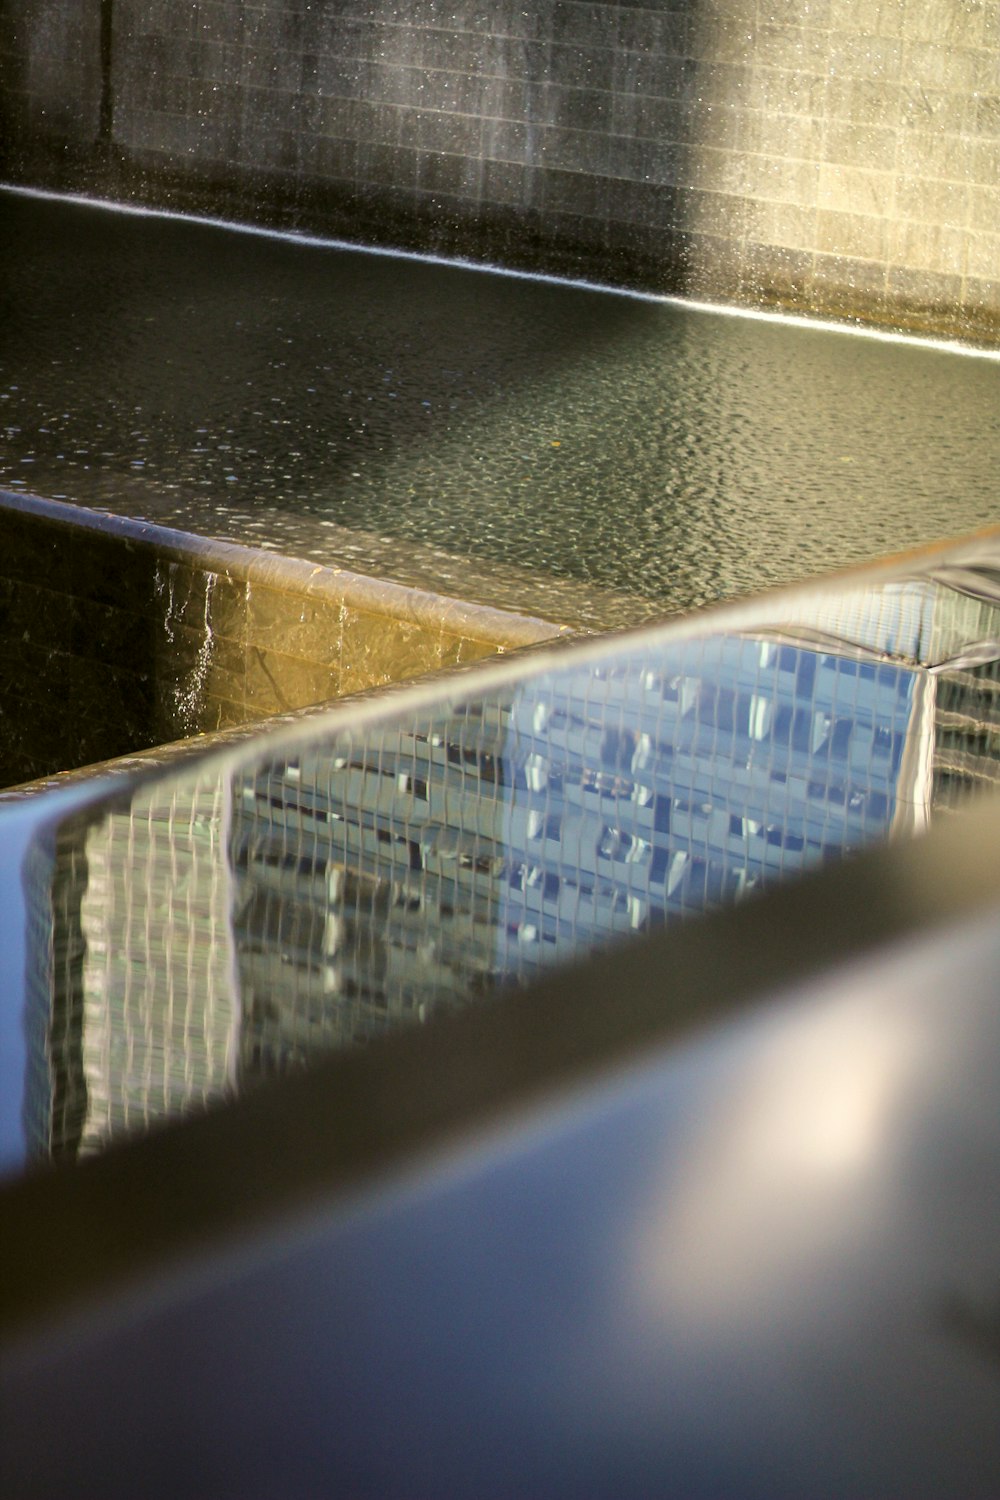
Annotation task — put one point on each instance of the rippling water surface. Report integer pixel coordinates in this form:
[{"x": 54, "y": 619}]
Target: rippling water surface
[{"x": 185, "y": 371}]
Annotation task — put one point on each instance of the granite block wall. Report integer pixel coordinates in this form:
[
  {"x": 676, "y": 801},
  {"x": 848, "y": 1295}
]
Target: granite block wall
[
  {"x": 837, "y": 156},
  {"x": 115, "y": 636}
]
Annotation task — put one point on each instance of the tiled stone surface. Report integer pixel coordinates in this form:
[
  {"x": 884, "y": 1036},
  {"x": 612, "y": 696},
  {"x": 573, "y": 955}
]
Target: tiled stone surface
[
  {"x": 50, "y": 71},
  {"x": 685, "y": 145},
  {"x": 115, "y": 637}
]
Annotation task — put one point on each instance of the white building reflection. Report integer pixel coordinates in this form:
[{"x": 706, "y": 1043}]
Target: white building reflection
[{"x": 133, "y": 1009}]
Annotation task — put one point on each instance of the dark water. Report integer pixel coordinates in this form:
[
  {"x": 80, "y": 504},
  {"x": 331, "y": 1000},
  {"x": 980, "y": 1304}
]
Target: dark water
[{"x": 663, "y": 452}]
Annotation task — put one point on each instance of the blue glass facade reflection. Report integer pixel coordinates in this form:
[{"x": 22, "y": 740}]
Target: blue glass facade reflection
[
  {"x": 669, "y": 786},
  {"x": 409, "y": 869}
]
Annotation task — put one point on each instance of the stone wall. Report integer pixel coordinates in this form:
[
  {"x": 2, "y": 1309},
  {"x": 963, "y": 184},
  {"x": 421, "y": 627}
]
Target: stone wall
[
  {"x": 116, "y": 636},
  {"x": 837, "y": 156}
]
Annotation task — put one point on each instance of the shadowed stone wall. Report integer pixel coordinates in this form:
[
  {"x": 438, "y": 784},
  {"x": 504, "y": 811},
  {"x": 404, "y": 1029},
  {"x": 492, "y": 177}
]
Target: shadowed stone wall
[
  {"x": 116, "y": 636},
  {"x": 837, "y": 156}
]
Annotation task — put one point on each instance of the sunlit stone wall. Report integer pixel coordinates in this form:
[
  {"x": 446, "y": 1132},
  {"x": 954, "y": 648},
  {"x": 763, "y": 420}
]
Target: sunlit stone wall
[{"x": 837, "y": 155}]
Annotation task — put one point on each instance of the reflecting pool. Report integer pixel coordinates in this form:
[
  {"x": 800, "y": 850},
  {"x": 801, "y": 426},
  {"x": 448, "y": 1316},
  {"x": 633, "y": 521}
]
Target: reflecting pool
[{"x": 335, "y": 404}]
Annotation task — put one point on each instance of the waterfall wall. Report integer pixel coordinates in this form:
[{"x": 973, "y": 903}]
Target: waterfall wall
[{"x": 833, "y": 156}]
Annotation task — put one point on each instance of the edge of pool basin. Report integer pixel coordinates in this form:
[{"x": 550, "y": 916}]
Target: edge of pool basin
[
  {"x": 480, "y": 622},
  {"x": 172, "y": 756},
  {"x": 542, "y": 644},
  {"x": 121, "y": 635}
]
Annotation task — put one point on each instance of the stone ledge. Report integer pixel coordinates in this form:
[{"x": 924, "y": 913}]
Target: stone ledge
[{"x": 117, "y": 635}]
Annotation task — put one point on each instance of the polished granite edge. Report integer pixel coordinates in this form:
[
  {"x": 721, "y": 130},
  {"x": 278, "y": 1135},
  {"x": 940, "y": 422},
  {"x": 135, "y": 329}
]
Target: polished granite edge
[
  {"x": 484, "y": 622},
  {"x": 408, "y": 564},
  {"x": 374, "y": 1115},
  {"x": 117, "y": 635}
]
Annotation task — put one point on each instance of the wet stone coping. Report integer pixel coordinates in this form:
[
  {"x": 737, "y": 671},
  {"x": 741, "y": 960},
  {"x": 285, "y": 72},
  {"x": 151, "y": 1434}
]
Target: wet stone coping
[
  {"x": 117, "y": 635},
  {"x": 411, "y": 564}
]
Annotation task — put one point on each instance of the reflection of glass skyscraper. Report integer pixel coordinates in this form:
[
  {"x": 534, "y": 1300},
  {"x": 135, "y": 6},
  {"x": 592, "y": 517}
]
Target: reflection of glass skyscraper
[
  {"x": 219, "y": 926},
  {"x": 368, "y": 880},
  {"x": 967, "y": 750},
  {"x": 55, "y": 1096},
  {"x": 966, "y": 680},
  {"x": 132, "y": 1006},
  {"x": 409, "y": 869},
  {"x": 947, "y": 623},
  {"x": 674, "y": 785}
]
